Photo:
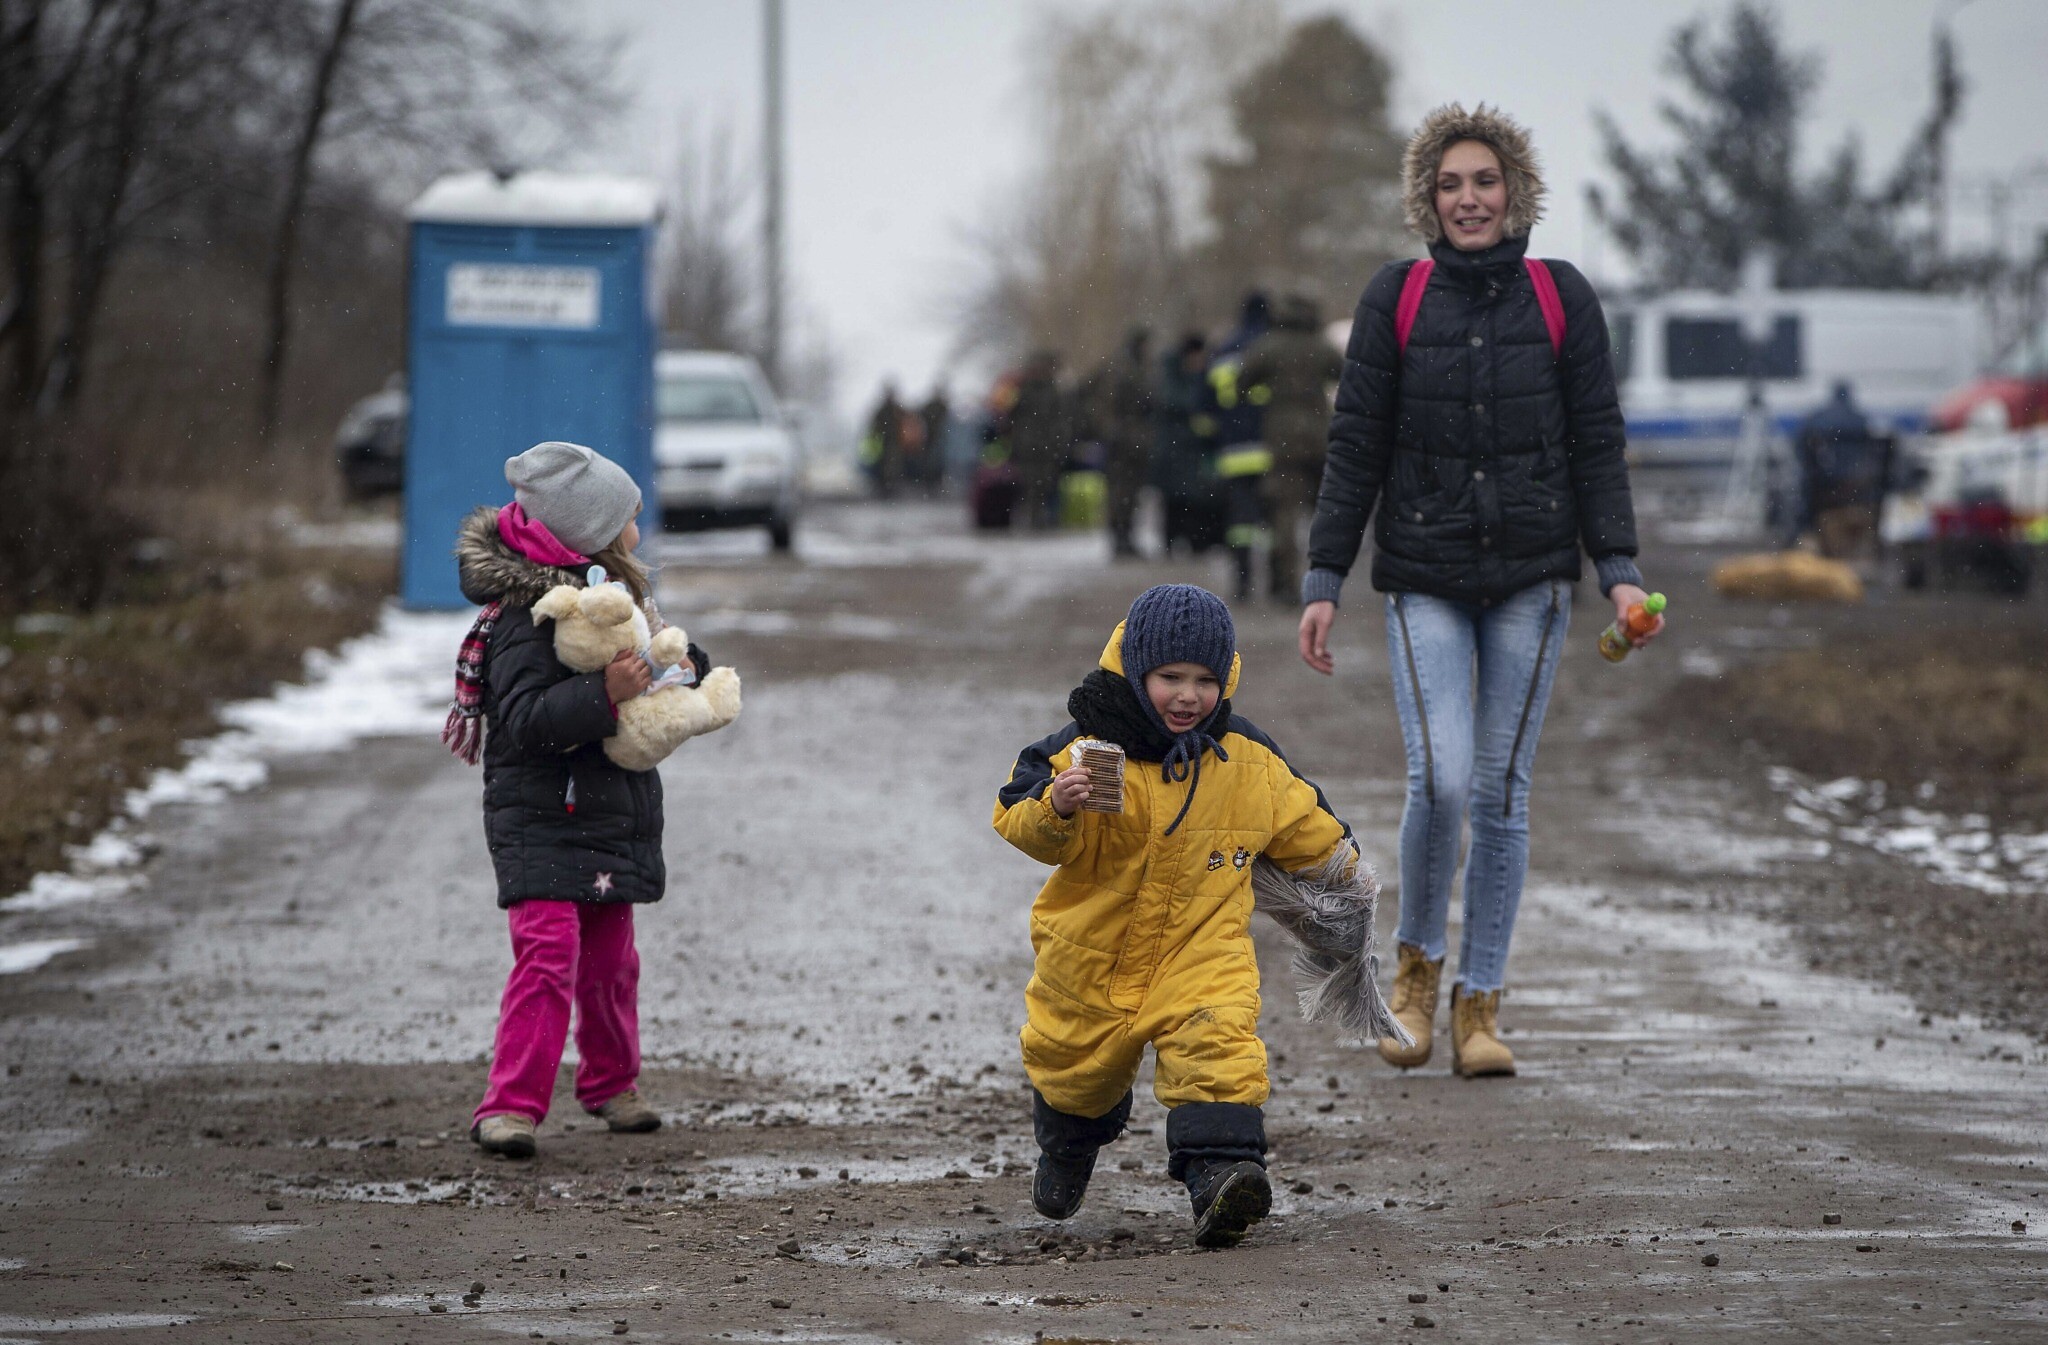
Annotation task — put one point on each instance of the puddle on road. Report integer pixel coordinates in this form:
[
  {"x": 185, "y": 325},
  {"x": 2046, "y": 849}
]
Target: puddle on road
[
  {"x": 586, "y": 1313},
  {"x": 261, "y": 1232},
  {"x": 23, "y": 1152},
  {"x": 813, "y": 1333},
  {"x": 773, "y": 1174},
  {"x": 94, "y": 1321}
]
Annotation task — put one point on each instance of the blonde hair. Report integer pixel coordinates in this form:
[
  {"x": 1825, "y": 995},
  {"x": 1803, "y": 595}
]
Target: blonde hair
[{"x": 627, "y": 568}]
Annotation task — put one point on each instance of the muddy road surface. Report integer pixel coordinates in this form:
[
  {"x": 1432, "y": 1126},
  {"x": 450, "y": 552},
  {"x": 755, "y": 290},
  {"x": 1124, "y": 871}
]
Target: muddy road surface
[{"x": 236, "y": 1110}]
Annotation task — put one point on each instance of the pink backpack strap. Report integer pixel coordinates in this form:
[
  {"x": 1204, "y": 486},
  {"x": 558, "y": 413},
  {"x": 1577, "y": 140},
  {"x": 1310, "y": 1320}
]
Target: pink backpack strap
[
  {"x": 1546, "y": 299},
  {"x": 1411, "y": 300}
]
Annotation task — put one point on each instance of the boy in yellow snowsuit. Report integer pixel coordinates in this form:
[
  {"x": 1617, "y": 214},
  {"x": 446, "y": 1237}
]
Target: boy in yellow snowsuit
[{"x": 1142, "y": 932}]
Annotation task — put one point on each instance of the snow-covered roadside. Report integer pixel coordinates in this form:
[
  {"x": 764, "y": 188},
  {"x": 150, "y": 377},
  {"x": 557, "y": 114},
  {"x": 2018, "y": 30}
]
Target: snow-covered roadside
[
  {"x": 393, "y": 682},
  {"x": 1961, "y": 851}
]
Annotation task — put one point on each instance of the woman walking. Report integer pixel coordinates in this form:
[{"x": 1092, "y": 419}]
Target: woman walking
[{"x": 1477, "y": 424}]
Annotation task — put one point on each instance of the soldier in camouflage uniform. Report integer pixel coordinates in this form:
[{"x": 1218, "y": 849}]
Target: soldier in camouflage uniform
[
  {"x": 1296, "y": 367},
  {"x": 1120, "y": 405},
  {"x": 1041, "y": 438}
]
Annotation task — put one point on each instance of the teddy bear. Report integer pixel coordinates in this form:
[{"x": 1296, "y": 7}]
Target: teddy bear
[{"x": 592, "y": 625}]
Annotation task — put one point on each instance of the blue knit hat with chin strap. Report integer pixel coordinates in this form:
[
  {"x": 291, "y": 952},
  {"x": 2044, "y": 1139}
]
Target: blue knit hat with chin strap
[{"x": 1179, "y": 623}]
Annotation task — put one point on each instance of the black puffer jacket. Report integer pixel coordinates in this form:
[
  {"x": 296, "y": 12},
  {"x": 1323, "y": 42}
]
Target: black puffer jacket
[
  {"x": 1489, "y": 459},
  {"x": 545, "y": 732}
]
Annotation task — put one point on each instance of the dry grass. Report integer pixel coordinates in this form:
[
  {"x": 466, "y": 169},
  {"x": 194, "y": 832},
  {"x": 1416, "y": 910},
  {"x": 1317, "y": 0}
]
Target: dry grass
[
  {"x": 1968, "y": 710},
  {"x": 89, "y": 711}
]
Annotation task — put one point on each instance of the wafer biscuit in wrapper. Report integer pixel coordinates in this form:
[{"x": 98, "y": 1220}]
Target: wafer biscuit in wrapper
[{"x": 1104, "y": 763}]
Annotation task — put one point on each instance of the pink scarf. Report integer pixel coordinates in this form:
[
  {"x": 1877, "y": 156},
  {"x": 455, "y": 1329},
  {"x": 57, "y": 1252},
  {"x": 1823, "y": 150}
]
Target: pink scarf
[{"x": 530, "y": 538}]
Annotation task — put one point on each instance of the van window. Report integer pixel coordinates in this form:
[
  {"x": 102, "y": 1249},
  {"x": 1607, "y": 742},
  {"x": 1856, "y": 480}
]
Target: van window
[
  {"x": 705, "y": 397},
  {"x": 1714, "y": 348},
  {"x": 1621, "y": 343}
]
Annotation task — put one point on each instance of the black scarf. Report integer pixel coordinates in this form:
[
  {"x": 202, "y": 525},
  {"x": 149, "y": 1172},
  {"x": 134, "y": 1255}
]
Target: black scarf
[{"x": 1106, "y": 706}]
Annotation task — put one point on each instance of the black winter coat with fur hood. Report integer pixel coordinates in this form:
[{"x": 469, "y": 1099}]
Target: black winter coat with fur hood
[
  {"x": 1488, "y": 459},
  {"x": 562, "y": 821}
]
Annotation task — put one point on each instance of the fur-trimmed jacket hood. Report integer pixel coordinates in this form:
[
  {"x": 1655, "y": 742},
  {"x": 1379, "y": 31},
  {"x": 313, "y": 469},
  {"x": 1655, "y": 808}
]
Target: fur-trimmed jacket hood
[
  {"x": 1505, "y": 136},
  {"x": 491, "y": 571}
]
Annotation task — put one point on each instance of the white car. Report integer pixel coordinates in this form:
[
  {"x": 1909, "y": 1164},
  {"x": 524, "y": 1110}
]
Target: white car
[{"x": 724, "y": 456}]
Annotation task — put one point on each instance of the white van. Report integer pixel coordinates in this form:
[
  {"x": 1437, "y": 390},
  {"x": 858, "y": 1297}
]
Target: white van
[{"x": 1682, "y": 364}]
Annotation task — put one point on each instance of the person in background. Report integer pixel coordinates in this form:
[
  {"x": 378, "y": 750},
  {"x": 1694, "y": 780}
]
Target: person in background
[
  {"x": 1121, "y": 409},
  {"x": 1297, "y": 366},
  {"x": 1237, "y": 409},
  {"x": 1841, "y": 475},
  {"x": 1182, "y": 447},
  {"x": 1041, "y": 436},
  {"x": 936, "y": 416},
  {"x": 881, "y": 451}
]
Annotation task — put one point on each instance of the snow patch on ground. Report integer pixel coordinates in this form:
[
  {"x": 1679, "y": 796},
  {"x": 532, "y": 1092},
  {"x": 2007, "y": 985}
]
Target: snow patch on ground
[
  {"x": 20, "y": 957},
  {"x": 394, "y": 682},
  {"x": 1960, "y": 851}
]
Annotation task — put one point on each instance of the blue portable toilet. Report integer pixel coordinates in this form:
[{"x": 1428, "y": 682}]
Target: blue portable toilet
[{"x": 531, "y": 317}]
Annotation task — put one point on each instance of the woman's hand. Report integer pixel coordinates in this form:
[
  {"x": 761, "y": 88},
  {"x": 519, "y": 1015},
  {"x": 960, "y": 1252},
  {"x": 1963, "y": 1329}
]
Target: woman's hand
[
  {"x": 1070, "y": 790},
  {"x": 626, "y": 676},
  {"x": 1316, "y": 620},
  {"x": 1626, "y": 596}
]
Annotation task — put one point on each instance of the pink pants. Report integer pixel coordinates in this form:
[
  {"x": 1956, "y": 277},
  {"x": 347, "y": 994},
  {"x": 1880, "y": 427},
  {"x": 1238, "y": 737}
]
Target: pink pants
[{"x": 564, "y": 950}]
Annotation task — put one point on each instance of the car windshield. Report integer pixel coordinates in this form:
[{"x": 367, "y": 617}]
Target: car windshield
[{"x": 706, "y": 397}]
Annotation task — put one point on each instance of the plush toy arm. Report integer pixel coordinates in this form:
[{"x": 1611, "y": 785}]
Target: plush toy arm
[{"x": 670, "y": 646}]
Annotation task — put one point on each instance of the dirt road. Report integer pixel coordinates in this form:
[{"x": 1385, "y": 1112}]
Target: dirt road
[{"x": 237, "y": 1113}]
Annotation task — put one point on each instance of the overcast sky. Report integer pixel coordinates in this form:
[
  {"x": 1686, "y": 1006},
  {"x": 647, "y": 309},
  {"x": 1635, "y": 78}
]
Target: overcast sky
[{"x": 906, "y": 118}]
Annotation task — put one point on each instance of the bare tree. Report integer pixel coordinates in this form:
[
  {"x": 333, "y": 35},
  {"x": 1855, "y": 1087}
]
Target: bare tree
[
  {"x": 427, "y": 79},
  {"x": 331, "y": 46},
  {"x": 194, "y": 153},
  {"x": 710, "y": 282},
  {"x": 1102, "y": 231}
]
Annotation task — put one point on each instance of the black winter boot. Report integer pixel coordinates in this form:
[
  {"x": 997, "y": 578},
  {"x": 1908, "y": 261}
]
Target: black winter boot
[
  {"x": 1229, "y": 1198},
  {"x": 1219, "y": 1150},
  {"x": 1068, "y": 1145}
]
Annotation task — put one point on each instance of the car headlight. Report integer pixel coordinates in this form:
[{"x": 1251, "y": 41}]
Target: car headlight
[{"x": 763, "y": 461}]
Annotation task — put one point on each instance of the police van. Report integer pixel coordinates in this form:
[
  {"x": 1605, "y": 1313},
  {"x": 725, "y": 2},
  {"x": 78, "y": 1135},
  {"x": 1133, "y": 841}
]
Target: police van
[{"x": 1683, "y": 366}]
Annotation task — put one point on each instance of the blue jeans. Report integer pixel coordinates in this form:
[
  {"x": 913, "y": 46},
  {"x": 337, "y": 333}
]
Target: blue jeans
[{"x": 1471, "y": 747}]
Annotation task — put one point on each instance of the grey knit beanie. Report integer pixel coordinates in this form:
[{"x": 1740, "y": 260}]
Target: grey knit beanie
[{"x": 581, "y": 496}]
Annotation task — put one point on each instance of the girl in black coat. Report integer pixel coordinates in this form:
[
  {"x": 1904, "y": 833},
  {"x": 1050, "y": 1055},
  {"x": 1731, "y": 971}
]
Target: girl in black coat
[
  {"x": 1478, "y": 425},
  {"x": 575, "y": 840}
]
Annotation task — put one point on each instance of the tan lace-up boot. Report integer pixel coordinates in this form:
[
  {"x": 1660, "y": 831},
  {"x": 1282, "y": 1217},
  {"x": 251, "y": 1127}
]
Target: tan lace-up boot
[
  {"x": 626, "y": 1114},
  {"x": 1414, "y": 1004},
  {"x": 1476, "y": 1047}
]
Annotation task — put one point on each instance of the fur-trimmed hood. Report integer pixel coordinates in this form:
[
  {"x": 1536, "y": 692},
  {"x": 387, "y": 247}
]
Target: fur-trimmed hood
[
  {"x": 1505, "y": 136},
  {"x": 493, "y": 572}
]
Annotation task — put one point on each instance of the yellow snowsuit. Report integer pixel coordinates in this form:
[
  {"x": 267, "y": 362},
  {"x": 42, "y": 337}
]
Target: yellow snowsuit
[{"x": 1143, "y": 937}]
